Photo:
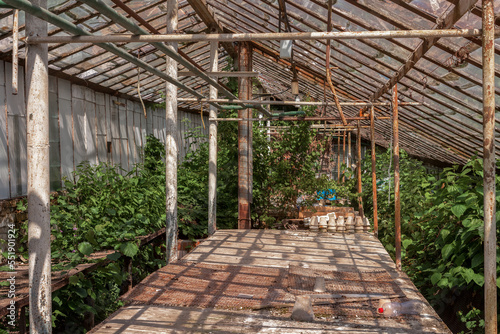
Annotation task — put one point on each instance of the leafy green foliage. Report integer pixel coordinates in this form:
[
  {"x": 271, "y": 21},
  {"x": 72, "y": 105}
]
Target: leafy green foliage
[
  {"x": 472, "y": 321},
  {"x": 97, "y": 293},
  {"x": 442, "y": 227},
  {"x": 285, "y": 168},
  {"x": 105, "y": 209},
  {"x": 192, "y": 183}
]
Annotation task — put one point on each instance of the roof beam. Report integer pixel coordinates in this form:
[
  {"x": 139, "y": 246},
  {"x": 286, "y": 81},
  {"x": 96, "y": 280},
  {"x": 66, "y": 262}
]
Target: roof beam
[
  {"x": 478, "y": 11},
  {"x": 208, "y": 17}
]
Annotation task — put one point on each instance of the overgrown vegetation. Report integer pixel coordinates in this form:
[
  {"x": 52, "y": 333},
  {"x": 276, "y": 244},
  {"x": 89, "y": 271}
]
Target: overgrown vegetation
[
  {"x": 442, "y": 233},
  {"x": 283, "y": 170},
  {"x": 104, "y": 208}
]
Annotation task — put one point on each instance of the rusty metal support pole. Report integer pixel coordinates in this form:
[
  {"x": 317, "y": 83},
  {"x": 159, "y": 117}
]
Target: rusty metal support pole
[
  {"x": 15, "y": 51},
  {"x": 397, "y": 199},
  {"x": 253, "y": 37},
  {"x": 244, "y": 61},
  {"x": 374, "y": 174},
  {"x": 212, "y": 148},
  {"x": 171, "y": 144},
  {"x": 343, "y": 155},
  {"x": 338, "y": 156},
  {"x": 490, "y": 242},
  {"x": 358, "y": 170},
  {"x": 349, "y": 156},
  {"x": 37, "y": 112}
]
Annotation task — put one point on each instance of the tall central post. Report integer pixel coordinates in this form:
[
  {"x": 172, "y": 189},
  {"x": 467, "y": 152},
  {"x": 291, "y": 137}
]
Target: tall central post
[
  {"x": 338, "y": 156},
  {"x": 397, "y": 199},
  {"x": 489, "y": 169},
  {"x": 37, "y": 80},
  {"x": 171, "y": 145},
  {"x": 358, "y": 170},
  {"x": 374, "y": 173},
  {"x": 244, "y": 139},
  {"x": 343, "y": 154}
]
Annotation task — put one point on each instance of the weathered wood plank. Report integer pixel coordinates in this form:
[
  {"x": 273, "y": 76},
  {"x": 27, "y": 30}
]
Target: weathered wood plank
[
  {"x": 133, "y": 155},
  {"x": 90, "y": 126},
  {"x": 16, "y": 114},
  {"x": 66, "y": 127},
  {"x": 4, "y": 154},
  {"x": 115, "y": 132},
  {"x": 122, "y": 116},
  {"x": 102, "y": 155},
  {"x": 79, "y": 125},
  {"x": 54, "y": 136},
  {"x": 241, "y": 262}
]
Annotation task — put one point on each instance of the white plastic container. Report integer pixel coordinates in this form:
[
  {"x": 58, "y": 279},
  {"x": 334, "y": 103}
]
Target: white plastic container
[
  {"x": 394, "y": 309},
  {"x": 323, "y": 223}
]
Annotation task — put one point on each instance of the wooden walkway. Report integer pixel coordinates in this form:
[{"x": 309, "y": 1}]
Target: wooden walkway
[{"x": 245, "y": 281}]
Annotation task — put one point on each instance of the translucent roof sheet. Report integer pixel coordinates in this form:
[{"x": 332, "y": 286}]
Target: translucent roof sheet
[{"x": 446, "y": 79}]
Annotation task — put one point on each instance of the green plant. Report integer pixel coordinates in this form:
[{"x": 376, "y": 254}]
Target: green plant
[
  {"x": 473, "y": 321},
  {"x": 442, "y": 229},
  {"x": 193, "y": 182},
  {"x": 154, "y": 155},
  {"x": 97, "y": 293},
  {"x": 104, "y": 207},
  {"x": 285, "y": 168}
]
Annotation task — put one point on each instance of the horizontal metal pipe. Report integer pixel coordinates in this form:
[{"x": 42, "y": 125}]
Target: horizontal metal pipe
[
  {"x": 340, "y": 127},
  {"x": 343, "y": 129},
  {"x": 292, "y": 119},
  {"x": 222, "y": 74},
  {"x": 384, "y": 34},
  {"x": 292, "y": 103},
  {"x": 313, "y": 126}
]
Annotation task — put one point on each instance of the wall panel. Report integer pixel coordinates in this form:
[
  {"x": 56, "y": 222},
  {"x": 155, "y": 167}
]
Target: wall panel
[
  {"x": 65, "y": 127},
  {"x": 84, "y": 126},
  {"x": 16, "y": 114},
  {"x": 4, "y": 154}
]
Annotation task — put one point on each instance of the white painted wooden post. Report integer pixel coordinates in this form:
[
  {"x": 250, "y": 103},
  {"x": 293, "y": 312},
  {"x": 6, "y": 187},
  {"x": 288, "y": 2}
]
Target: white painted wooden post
[
  {"x": 171, "y": 144},
  {"x": 37, "y": 112},
  {"x": 212, "y": 154}
]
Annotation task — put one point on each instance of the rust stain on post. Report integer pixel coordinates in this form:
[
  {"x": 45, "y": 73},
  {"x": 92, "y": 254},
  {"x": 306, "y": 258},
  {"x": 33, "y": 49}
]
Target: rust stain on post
[
  {"x": 349, "y": 156},
  {"x": 358, "y": 171},
  {"x": 490, "y": 241},
  {"x": 343, "y": 154},
  {"x": 374, "y": 174},
  {"x": 244, "y": 128},
  {"x": 397, "y": 199},
  {"x": 338, "y": 156}
]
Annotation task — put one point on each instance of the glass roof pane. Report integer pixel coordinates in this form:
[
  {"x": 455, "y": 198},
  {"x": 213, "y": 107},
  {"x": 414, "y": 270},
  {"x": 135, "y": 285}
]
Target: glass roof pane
[{"x": 433, "y": 7}]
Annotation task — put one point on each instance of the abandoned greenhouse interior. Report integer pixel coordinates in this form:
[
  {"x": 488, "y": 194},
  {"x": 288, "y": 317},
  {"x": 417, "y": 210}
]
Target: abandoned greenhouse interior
[{"x": 249, "y": 166}]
